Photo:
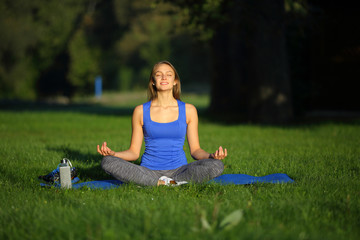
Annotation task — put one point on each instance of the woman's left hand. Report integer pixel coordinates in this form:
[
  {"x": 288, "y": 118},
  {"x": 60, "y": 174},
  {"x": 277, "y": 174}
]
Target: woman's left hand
[
  {"x": 219, "y": 154},
  {"x": 105, "y": 150}
]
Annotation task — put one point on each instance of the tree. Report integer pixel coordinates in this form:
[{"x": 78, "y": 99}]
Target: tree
[
  {"x": 250, "y": 73},
  {"x": 33, "y": 34},
  {"x": 57, "y": 48}
]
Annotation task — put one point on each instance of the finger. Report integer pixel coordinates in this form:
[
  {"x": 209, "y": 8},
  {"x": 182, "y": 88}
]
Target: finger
[
  {"x": 225, "y": 152},
  {"x": 102, "y": 147},
  {"x": 109, "y": 151},
  {"x": 221, "y": 151},
  {"x": 100, "y": 151},
  {"x": 217, "y": 154},
  {"x": 106, "y": 148}
]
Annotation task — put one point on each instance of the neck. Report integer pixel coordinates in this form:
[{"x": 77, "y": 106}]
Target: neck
[{"x": 165, "y": 99}]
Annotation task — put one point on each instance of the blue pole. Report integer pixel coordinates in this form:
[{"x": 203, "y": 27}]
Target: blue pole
[{"x": 98, "y": 87}]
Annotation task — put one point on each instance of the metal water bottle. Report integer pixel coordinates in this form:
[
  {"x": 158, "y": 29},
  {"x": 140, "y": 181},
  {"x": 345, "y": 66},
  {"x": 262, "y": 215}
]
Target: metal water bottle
[{"x": 65, "y": 174}]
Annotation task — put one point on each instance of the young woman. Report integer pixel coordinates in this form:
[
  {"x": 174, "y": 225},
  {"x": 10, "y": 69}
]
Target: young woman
[{"x": 163, "y": 122}]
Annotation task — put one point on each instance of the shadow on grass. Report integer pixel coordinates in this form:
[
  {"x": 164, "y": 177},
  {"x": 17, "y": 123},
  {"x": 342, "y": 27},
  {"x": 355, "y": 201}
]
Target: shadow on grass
[
  {"x": 12, "y": 176},
  {"x": 307, "y": 119},
  {"x": 89, "y": 167},
  {"x": 21, "y": 106}
]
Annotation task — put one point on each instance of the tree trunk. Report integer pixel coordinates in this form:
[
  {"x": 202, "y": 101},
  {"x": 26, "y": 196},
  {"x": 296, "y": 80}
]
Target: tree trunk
[{"x": 250, "y": 71}]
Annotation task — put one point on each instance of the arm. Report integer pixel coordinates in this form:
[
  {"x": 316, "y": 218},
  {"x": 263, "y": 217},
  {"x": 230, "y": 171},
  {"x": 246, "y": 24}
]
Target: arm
[
  {"x": 133, "y": 152},
  {"x": 196, "y": 151}
]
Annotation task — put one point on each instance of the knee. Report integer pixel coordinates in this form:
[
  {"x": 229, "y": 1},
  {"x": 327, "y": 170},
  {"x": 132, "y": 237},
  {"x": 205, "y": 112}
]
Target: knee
[
  {"x": 218, "y": 166},
  {"x": 106, "y": 163}
]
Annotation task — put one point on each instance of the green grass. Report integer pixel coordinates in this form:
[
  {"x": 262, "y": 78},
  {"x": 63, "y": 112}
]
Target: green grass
[{"x": 323, "y": 203}]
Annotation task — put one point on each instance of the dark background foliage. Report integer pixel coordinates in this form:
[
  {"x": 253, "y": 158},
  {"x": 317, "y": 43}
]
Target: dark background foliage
[{"x": 262, "y": 61}]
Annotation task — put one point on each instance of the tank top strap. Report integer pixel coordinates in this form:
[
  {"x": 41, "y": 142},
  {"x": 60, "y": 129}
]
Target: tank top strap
[
  {"x": 146, "y": 112},
  {"x": 182, "y": 111}
]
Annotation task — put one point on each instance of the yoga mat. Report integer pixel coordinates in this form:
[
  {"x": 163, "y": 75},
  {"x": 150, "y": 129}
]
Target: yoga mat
[
  {"x": 57, "y": 184},
  {"x": 101, "y": 184},
  {"x": 240, "y": 179},
  {"x": 237, "y": 179}
]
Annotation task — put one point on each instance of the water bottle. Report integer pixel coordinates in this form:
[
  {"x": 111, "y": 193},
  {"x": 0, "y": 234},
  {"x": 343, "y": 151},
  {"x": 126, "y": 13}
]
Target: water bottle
[{"x": 65, "y": 174}]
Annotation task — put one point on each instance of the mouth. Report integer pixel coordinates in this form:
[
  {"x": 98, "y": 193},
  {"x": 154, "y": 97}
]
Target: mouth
[{"x": 164, "y": 83}]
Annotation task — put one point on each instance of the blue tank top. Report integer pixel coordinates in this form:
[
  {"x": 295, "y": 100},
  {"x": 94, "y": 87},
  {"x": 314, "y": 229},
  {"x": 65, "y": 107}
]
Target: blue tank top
[{"x": 164, "y": 142}]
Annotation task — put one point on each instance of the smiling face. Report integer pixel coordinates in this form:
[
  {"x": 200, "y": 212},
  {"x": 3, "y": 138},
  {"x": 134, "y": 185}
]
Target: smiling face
[{"x": 164, "y": 77}]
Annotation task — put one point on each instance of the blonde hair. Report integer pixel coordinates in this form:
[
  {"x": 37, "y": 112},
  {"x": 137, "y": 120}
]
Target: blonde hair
[{"x": 152, "y": 91}]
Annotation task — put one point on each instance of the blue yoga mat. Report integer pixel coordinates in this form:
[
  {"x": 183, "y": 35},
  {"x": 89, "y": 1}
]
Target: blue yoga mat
[
  {"x": 101, "y": 184},
  {"x": 57, "y": 184},
  {"x": 240, "y": 179},
  {"x": 237, "y": 179}
]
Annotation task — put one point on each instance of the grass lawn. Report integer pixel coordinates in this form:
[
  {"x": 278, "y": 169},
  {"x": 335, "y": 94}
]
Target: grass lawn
[{"x": 322, "y": 158}]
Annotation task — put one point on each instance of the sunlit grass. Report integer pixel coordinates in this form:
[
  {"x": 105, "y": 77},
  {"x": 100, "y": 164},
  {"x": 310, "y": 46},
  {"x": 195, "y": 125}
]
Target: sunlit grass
[{"x": 323, "y": 203}]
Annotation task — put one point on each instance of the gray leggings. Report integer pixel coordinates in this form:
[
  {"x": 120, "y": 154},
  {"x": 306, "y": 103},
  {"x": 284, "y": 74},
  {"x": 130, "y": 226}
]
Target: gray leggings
[{"x": 197, "y": 171}]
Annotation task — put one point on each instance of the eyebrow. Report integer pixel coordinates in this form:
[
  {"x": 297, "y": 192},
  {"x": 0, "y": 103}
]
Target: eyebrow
[{"x": 165, "y": 72}]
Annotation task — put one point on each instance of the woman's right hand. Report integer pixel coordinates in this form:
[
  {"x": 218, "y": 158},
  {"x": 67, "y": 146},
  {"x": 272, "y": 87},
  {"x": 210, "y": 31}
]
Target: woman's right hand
[
  {"x": 105, "y": 150},
  {"x": 219, "y": 154}
]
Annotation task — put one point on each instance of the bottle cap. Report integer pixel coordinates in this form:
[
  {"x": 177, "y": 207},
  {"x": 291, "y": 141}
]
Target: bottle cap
[{"x": 64, "y": 161}]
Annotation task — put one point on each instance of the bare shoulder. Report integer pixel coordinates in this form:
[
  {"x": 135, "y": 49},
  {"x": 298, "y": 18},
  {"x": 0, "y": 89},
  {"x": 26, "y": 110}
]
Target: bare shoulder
[
  {"x": 191, "y": 112},
  {"x": 191, "y": 109},
  {"x": 138, "y": 109},
  {"x": 138, "y": 113}
]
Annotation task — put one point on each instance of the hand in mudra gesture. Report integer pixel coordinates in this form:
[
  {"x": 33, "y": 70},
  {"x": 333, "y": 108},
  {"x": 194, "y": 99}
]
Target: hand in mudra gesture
[
  {"x": 105, "y": 150},
  {"x": 220, "y": 154}
]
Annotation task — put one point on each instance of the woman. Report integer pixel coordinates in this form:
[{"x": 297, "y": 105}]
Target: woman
[{"x": 163, "y": 122}]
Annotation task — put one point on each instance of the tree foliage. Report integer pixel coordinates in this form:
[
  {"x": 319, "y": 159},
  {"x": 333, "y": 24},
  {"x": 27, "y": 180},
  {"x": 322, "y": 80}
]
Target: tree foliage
[
  {"x": 249, "y": 58},
  {"x": 33, "y": 33},
  {"x": 259, "y": 57},
  {"x": 58, "y": 47}
]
